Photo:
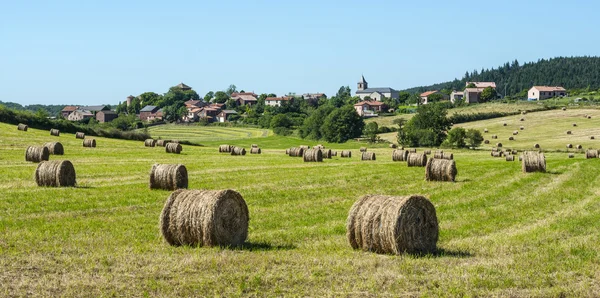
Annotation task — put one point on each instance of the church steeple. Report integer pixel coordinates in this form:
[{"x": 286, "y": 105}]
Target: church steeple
[{"x": 362, "y": 84}]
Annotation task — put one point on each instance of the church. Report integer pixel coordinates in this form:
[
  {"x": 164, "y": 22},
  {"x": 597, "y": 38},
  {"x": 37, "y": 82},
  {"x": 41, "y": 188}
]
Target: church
[{"x": 363, "y": 91}]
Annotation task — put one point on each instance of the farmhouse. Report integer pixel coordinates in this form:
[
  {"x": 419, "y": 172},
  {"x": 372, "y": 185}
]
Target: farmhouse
[
  {"x": 456, "y": 95},
  {"x": 472, "y": 95},
  {"x": 363, "y": 91},
  {"x": 79, "y": 115},
  {"x": 425, "y": 96},
  {"x": 106, "y": 116},
  {"x": 369, "y": 108},
  {"x": 481, "y": 84},
  {"x": 276, "y": 101},
  {"x": 149, "y": 113},
  {"x": 223, "y": 116},
  {"x": 245, "y": 98},
  {"x": 545, "y": 92},
  {"x": 66, "y": 111}
]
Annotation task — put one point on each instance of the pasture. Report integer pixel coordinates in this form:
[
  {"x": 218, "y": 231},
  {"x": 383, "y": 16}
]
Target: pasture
[{"x": 502, "y": 232}]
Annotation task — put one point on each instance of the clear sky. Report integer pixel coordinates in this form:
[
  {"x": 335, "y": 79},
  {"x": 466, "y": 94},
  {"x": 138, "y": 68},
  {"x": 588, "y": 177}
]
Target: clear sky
[{"x": 99, "y": 52}]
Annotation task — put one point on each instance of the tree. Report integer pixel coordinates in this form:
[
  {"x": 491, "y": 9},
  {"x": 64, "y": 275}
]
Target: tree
[
  {"x": 436, "y": 97},
  {"x": 344, "y": 92},
  {"x": 231, "y": 104},
  {"x": 342, "y": 124},
  {"x": 488, "y": 94},
  {"x": 150, "y": 98},
  {"x": 311, "y": 127},
  {"x": 209, "y": 95},
  {"x": 231, "y": 89},
  {"x": 403, "y": 97},
  {"x": 427, "y": 128},
  {"x": 135, "y": 106},
  {"x": 474, "y": 138},
  {"x": 456, "y": 138},
  {"x": 370, "y": 131},
  {"x": 220, "y": 97},
  {"x": 281, "y": 120}
]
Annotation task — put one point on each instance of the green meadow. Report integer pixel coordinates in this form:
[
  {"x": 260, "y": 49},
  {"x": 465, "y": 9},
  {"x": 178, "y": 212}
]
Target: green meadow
[{"x": 502, "y": 232}]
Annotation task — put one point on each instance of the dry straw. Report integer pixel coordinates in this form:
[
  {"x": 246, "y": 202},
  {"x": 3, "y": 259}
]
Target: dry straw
[
  {"x": 37, "y": 154},
  {"x": 254, "y": 146},
  {"x": 440, "y": 170},
  {"x": 516, "y": 132},
  {"x": 162, "y": 143},
  {"x": 346, "y": 154},
  {"x": 363, "y": 149},
  {"x": 56, "y": 173},
  {"x": 486, "y": 141},
  {"x": 80, "y": 135},
  {"x": 296, "y": 152},
  {"x": 173, "y": 148},
  {"x": 569, "y": 146},
  {"x": 89, "y": 143},
  {"x": 326, "y": 153},
  {"x": 54, "y": 132},
  {"x": 287, "y": 151},
  {"x": 150, "y": 143},
  {"x": 494, "y": 149},
  {"x": 238, "y": 151},
  {"x": 533, "y": 162},
  {"x": 438, "y": 154},
  {"x": 448, "y": 156},
  {"x": 520, "y": 157},
  {"x": 393, "y": 225},
  {"x": 499, "y": 145},
  {"x": 393, "y": 146},
  {"x": 22, "y": 127},
  {"x": 313, "y": 155},
  {"x": 579, "y": 147},
  {"x": 205, "y": 218},
  {"x": 368, "y": 156},
  {"x": 412, "y": 150},
  {"x": 399, "y": 155},
  {"x": 591, "y": 153},
  {"x": 494, "y": 136},
  {"x": 497, "y": 154},
  {"x": 571, "y": 155},
  {"x": 55, "y": 148},
  {"x": 255, "y": 150},
  {"x": 510, "y": 158},
  {"x": 485, "y": 130},
  {"x": 522, "y": 127},
  {"x": 168, "y": 177},
  {"x": 225, "y": 148},
  {"x": 333, "y": 153},
  {"x": 427, "y": 152},
  {"x": 416, "y": 160}
]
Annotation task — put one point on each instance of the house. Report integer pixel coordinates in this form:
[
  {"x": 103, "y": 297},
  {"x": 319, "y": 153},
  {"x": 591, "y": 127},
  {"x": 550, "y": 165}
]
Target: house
[
  {"x": 192, "y": 115},
  {"x": 425, "y": 96},
  {"x": 95, "y": 109},
  {"x": 209, "y": 113},
  {"x": 183, "y": 87},
  {"x": 195, "y": 104},
  {"x": 276, "y": 101},
  {"x": 245, "y": 98},
  {"x": 149, "y": 113},
  {"x": 79, "y": 115},
  {"x": 363, "y": 91},
  {"x": 456, "y": 95},
  {"x": 472, "y": 95},
  {"x": 481, "y": 84},
  {"x": 545, "y": 92},
  {"x": 106, "y": 116},
  {"x": 222, "y": 117},
  {"x": 368, "y": 108},
  {"x": 66, "y": 111}
]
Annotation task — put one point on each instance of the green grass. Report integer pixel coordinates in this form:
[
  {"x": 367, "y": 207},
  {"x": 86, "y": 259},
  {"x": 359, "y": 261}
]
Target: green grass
[
  {"x": 201, "y": 134},
  {"x": 502, "y": 232}
]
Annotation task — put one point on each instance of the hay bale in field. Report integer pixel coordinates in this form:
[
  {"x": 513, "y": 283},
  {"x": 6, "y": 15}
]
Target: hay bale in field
[
  {"x": 168, "y": 177},
  {"x": 564, "y": 108},
  {"x": 522, "y": 127},
  {"x": 427, "y": 152},
  {"x": 486, "y": 141},
  {"x": 569, "y": 146},
  {"x": 485, "y": 130},
  {"x": 89, "y": 143},
  {"x": 287, "y": 151},
  {"x": 333, "y": 153},
  {"x": 537, "y": 146},
  {"x": 399, "y": 155},
  {"x": 313, "y": 155},
  {"x": 56, "y": 173},
  {"x": 440, "y": 170},
  {"x": 510, "y": 158},
  {"x": 438, "y": 154},
  {"x": 497, "y": 154},
  {"x": 254, "y": 146},
  {"x": 255, "y": 150},
  {"x": 568, "y": 132},
  {"x": 523, "y": 112},
  {"x": 571, "y": 155},
  {"x": 393, "y": 146},
  {"x": 150, "y": 142},
  {"x": 416, "y": 160},
  {"x": 205, "y": 218},
  {"x": 499, "y": 145},
  {"x": 574, "y": 124},
  {"x": 54, "y": 132},
  {"x": 296, "y": 152},
  {"x": 412, "y": 150},
  {"x": 592, "y": 138},
  {"x": 448, "y": 156},
  {"x": 591, "y": 153},
  {"x": 520, "y": 157},
  {"x": 225, "y": 148},
  {"x": 173, "y": 148},
  {"x": 346, "y": 154},
  {"x": 162, "y": 143},
  {"x": 55, "y": 148},
  {"x": 37, "y": 154},
  {"x": 522, "y": 119},
  {"x": 516, "y": 132},
  {"x": 238, "y": 151},
  {"x": 504, "y": 124},
  {"x": 579, "y": 147},
  {"x": 494, "y": 149},
  {"x": 511, "y": 138},
  {"x": 533, "y": 162},
  {"x": 80, "y": 135},
  {"x": 304, "y": 147},
  {"x": 393, "y": 224},
  {"x": 174, "y": 141},
  {"x": 368, "y": 156},
  {"x": 589, "y": 117},
  {"x": 326, "y": 153},
  {"x": 22, "y": 127},
  {"x": 514, "y": 152},
  {"x": 494, "y": 136},
  {"x": 363, "y": 149}
]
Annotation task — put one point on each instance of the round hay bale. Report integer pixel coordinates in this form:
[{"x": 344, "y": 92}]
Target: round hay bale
[
  {"x": 173, "y": 148},
  {"x": 346, "y": 154},
  {"x": 427, "y": 152},
  {"x": 399, "y": 155},
  {"x": 499, "y": 145},
  {"x": 55, "y": 132},
  {"x": 497, "y": 154},
  {"x": 412, "y": 150},
  {"x": 516, "y": 132},
  {"x": 485, "y": 130},
  {"x": 254, "y": 146},
  {"x": 304, "y": 147},
  {"x": 238, "y": 151},
  {"x": 510, "y": 158},
  {"x": 80, "y": 135},
  {"x": 440, "y": 170},
  {"x": 162, "y": 143},
  {"x": 225, "y": 148},
  {"x": 393, "y": 146},
  {"x": 520, "y": 157},
  {"x": 37, "y": 154},
  {"x": 255, "y": 150},
  {"x": 511, "y": 138},
  {"x": 571, "y": 155},
  {"x": 448, "y": 156},
  {"x": 494, "y": 136},
  {"x": 313, "y": 155},
  {"x": 55, "y": 148},
  {"x": 333, "y": 153},
  {"x": 589, "y": 117},
  {"x": 523, "y": 112},
  {"x": 564, "y": 109},
  {"x": 579, "y": 147},
  {"x": 416, "y": 160},
  {"x": 56, "y": 173},
  {"x": 89, "y": 143},
  {"x": 592, "y": 138},
  {"x": 296, "y": 152},
  {"x": 368, "y": 156},
  {"x": 150, "y": 142},
  {"x": 393, "y": 224},
  {"x": 569, "y": 146},
  {"x": 568, "y": 132},
  {"x": 486, "y": 141},
  {"x": 591, "y": 153},
  {"x": 514, "y": 152},
  {"x": 536, "y": 146},
  {"x": 22, "y": 127},
  {"x": 326, "y": 153},
  {"x": 287, "y": 151},
  {"x": 168, "y": 177},
  {"x": 494, "y": 149},
  {"x": 363, "y": 149},
  {"x": 522, "y": 119},
  {"x": 205, "y": 218},
  {"x": 574, "y": 124},
  {"x": 438, "y": 154},
  {"x": 522, "y": 127},
  {"x": 533, "y": 162},
  {"x": 504, "y": 124}
]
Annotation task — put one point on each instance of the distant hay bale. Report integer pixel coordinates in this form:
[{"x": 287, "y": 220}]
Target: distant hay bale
[
  {"x": 504, "y": 124},
  {"x": 399, "y": 155},
  {"x": 255, "y": 150},
  {"x": 536, "y": 146},
  {"x": 162, "y": 143},
  {"x": 368, "y": 156},
  {"x": 80, "y": 135},
  {"x": 55, "y": 148},
  {"x": 533, "y": 162},
  {"x": 22, "y": 127},
  {"x": 393, "y": 146},
  {"x": 54, "y": 132},
  {"x": 510, "y": 158},
  {"x": 494, "y": 136},
  {"x": 313, "y": 155},
  {"x": 427, "y": 152},
  {"x": 254, "y": 146},
  {"x": 589, "y": 117},
  {"x": 438, "y": 154},
  {"x": 416, "y": 160},
  {"x": 574, "y": 124},
  {"x": 150, "y": 142},
  {"x": 569, "y": 146},
  {"x": 89, "y": 143},
  {"x": 485, "y": 130},
  {"x": 287, "y": 151},
  {"x": 333, "y": 153},
  {"x": 564, "y": 108},
  {"x": 320, "y": 146},
  {"x": 205, "y": 218},
  {"x": 522, "y": 119},
  {"x": 486, "y": 141},
  {"x": 238, "y": 151},
  {"x": 516, "y": 132},
  {"x": 393, "y": 225},
  {"x": 363, "y": 149},
  {"x": 37, "y": 154},
  {"x": 174, "y": 141},
  {"x": 225, "y": 148},
  {"x": 591, "y": 153},
  {"x": 346, "y": 154},
  {"x": 592, "y": 138},
  {"x": 511, "y": 138},
  {"x": 514, "y": 152},
  {"x": 168, "y": 176},
  {"x": 304, "y": 147},
  {"x": 326, "y": 153},
  {"x": 579, "y": 147},
  {"x": 448, "y": 156},
  {"x": 494, "y": 149},
  {"x": 523, "y": 112},
  {"x": 571, "y": 155},
  {"x": 173, "y": 148},
  {"x": 412, "y": 150},
  {"x": 497, "y": 154},
  {"x": 522, "y": 127},
  {"x": 499, "y": 145},
  {"x": 440, "y": 170},
  {"x": 568, "y": 132},
  {"x": 55, "y": 173},
  {"x": 520, "y": 157},
  {"x": 296, "y": 152}
]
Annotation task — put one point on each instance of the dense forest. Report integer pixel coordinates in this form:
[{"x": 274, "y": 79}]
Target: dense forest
[
  {"x": 568, "y": 72},
  {"x": 51, "y": 110}
]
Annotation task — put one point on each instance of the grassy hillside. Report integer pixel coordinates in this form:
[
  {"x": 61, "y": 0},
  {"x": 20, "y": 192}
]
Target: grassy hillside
[
  {"x": 502, "y": 232},
  {"x": 201, "y": 134}
]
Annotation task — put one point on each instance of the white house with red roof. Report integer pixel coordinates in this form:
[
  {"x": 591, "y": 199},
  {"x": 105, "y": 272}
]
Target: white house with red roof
[
  {"x": 545, "y": 92},
  {"x": 276, "y": 101},
  {"x": 369, "y": 108}
]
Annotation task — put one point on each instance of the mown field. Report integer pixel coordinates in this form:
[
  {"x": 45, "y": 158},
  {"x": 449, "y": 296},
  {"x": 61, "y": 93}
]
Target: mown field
[
  {"x": 199, "y": 134},
  {"x": 502, "y": 232}
]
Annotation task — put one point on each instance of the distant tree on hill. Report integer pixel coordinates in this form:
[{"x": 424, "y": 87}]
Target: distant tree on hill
[
  {"x": 342, "y": 124},
  {"x": 488, "y": 94},
  {"x": 209, "y": 95},
  {"x": 220, "y": 97}
]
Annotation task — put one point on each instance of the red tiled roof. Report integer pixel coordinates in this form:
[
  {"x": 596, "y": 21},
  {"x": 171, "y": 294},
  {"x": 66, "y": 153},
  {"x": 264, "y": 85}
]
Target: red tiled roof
[
  {"x": 549, "y": 88},
  {"x": 235, "y": 94},
  {"x": 369, "y": 103},
  {"x": 425, "y": 94},
  {"x": 482, "y": 84},
  {"x": 278, "y": 98},
  {"x": 69, "y": 109}
]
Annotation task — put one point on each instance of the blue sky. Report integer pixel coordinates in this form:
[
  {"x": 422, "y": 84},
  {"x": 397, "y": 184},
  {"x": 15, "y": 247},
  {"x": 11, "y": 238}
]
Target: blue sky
[{"x": 92, "y": 52}]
